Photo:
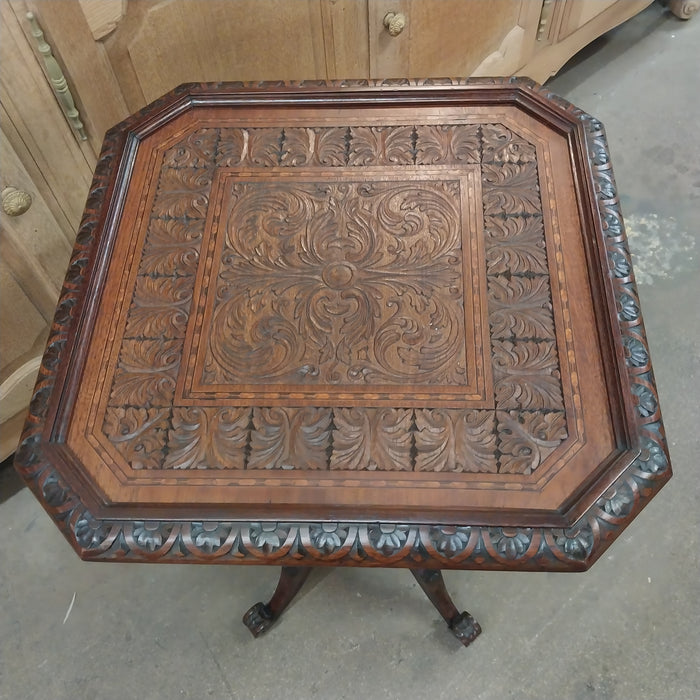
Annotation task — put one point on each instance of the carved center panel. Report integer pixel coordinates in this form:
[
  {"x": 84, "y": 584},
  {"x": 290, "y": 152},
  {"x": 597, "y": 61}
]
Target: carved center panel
[{"x": 347, "y": 282}]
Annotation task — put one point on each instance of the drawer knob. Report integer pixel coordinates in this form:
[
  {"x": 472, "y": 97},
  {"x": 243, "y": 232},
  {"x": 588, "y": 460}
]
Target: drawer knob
[
  {"x": 394, "y": 22},
  {"x": 15, "y": 202}
]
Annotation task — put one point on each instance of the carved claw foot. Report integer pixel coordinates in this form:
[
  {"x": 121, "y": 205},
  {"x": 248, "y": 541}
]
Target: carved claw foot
[
  {"x": 461, "y": 624},
  {"x": 684, "y": 9},
  {"x": 465, "y": 628},
  {"x": 258, "y": 619}
]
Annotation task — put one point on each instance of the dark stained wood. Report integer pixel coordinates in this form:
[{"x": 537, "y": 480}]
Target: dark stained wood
[
  {"x": 261, "y": 616},
  {"x": 461, "y": 624},
  {"x": 348, "y": 324}
]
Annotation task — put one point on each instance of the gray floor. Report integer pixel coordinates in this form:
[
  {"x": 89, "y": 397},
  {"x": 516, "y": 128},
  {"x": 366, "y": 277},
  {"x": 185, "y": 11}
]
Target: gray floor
[{"x": 629, "y": 628}]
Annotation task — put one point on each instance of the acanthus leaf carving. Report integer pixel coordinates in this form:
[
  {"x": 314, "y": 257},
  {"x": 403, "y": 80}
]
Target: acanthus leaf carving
[
  {"x": 264, "y": 146},
  {"x": 450, "y": 440},
  {"x": 195, "y": 151},
  {"x": 208, "y": 438},
  {"x": 526, "y": 375},
  {"x": 138, "y": 434},
  {"x": 501, "y": 145},
  {"x": 525, "y": 439},
  {"x": 520, "y": 307},
  {"x": 348, "y": 282},
  {"x": 160, "y": 307},
  {"x": 314, "y": 146},
  {"x": 172, "y": 247},
  {"x": 232, "y": 147},
  {"x": 183, "y": 192},
  {"x": 146, "y": 373},
  {"x": 447, "y": 143},
  {"x": 331, "y": 146},
  {"x": 381, "y": 145},
  {"x": 515, "y": 244},
  {"x": 290, "y": 438},
  {"x": 510, "y": 189},
  {"x": 93, "y": 537},
  {"x": 371, "y": 438}
]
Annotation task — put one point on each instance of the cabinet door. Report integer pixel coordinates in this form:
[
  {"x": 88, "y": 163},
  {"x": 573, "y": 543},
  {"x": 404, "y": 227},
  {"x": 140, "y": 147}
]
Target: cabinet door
[
  {"x": 57, "y": 162},
  {"x": 122, "y": 55},
  {"x": 566, "y": 26},
  {"x": 570, "y": 16},
  {"x": 451, "y": 38},
  {"x": 34, "y": 254}
]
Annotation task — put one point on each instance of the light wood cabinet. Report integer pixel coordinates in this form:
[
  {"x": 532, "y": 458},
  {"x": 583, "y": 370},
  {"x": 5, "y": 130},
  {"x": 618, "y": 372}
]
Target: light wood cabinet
[
  {"x": 451, "y": 38},
  {"x": 39, "y": 156},
  {"x": 34, "y": 253},
  {"x": 118, "y": 55},
  {"x": 122, "y": 54}
]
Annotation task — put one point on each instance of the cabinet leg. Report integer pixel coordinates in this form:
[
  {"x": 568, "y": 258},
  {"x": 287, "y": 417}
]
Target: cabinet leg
[
  {"x": 261, "y": 616},
  {"x": 684, "y": 9},
  {"x": 462, "y": 624}
]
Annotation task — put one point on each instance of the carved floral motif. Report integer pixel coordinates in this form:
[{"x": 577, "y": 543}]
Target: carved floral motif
[
  {"x": 328, "y": 537},
  {"x": 209, "y": 536},
  {"x": 450, "y": 540},
  {"x": 388, "y": 538}
]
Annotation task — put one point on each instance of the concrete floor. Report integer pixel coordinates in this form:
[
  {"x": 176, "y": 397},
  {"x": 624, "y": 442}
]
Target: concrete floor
[{"x": 629, "y": 628}]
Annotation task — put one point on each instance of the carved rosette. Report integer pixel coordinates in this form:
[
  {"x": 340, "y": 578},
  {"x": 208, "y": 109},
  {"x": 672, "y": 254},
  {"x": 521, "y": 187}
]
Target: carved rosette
[{"x": 468, "y": 546}]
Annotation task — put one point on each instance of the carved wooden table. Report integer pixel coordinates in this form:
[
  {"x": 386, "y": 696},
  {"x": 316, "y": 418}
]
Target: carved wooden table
[{"x": 349, "y": 325}]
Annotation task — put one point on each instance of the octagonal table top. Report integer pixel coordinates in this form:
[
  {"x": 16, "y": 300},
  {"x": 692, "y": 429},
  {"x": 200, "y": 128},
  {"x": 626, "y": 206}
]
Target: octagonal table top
[{"x": 349, "y": 323}]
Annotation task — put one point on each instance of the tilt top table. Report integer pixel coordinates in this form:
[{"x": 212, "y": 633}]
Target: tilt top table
[{"x": 349, "y": 324}]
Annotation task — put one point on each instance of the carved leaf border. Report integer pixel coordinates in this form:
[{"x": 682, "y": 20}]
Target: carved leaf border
[{"x": 521, "y": 303}]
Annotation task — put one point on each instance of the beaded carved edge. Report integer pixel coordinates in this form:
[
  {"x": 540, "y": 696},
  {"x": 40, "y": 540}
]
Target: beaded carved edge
[{"x": 356, "y": 543}]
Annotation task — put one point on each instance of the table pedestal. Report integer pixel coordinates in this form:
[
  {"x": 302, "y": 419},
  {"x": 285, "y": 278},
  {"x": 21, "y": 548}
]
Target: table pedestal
[
  {"x": 386, "y": 324},
  {"x": 261, "y": 616}
]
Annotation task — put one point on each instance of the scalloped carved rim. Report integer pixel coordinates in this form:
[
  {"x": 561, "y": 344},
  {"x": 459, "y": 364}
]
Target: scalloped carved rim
[{"x": 357, "y": 543}]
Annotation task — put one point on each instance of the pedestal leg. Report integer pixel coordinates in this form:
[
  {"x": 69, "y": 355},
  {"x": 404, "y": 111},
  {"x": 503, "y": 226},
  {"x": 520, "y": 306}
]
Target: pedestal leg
[
  {"x": 261, "y": 616},
  {"x": 462, "y": 624}
]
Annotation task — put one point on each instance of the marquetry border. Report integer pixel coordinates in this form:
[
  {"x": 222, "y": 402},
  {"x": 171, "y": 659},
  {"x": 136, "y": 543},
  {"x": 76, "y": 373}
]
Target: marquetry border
[{"x": 471, "y": 546}]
